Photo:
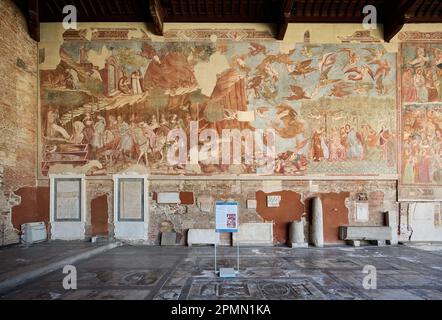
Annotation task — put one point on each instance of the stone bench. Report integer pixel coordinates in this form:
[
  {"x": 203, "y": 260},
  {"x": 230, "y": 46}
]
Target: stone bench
[
  {"x": 202, "y": 236},
  {"x": 254, "y": 234},
  {"x": 356, "y": 234}
]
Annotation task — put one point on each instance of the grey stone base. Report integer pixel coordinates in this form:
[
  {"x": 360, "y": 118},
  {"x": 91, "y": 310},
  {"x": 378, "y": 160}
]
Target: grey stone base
[{"x": 299, "y": 245}]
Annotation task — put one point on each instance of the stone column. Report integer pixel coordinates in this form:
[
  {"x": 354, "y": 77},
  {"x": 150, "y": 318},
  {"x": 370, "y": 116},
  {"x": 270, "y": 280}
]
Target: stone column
[
  {"x": 296, "y": 235},
  {"x": 391, "y": 221},
  {"x": 317, "y": 228}
]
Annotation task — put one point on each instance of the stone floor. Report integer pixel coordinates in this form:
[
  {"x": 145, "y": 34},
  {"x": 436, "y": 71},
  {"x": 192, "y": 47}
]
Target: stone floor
[
  {"x": 15, "y": 260},
  {"x": 142, "y": 272}
]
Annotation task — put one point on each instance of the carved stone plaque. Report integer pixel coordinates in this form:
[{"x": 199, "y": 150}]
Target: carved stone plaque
[
  {"x": 67, "y": 200},
  {"x": 131, "y": 199}
]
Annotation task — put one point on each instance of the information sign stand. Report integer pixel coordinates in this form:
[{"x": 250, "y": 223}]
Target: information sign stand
[{"x": 226, "y": 220}]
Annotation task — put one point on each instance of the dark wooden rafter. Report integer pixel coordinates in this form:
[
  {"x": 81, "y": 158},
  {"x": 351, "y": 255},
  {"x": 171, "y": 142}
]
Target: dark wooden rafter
[
  {"x": 393, "y": 13},
  {"x": 286, "y": 13},
  {"x": 402, "y": 10},
  {"x": 34, "y": 20},
  {"x": 158, "y": 14}
]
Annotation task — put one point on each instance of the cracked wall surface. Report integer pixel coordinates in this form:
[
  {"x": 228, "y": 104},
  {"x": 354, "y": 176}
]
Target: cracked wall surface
[{"x": 18, "y": 113}]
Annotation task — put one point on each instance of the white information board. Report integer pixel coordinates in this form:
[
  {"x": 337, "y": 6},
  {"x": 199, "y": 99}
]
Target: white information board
[{"x": 226, "y": 216}]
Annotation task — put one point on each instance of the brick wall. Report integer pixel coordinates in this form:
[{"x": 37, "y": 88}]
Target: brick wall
[
  {"x": 18, "y": 112},
  {"x": 339, "y": 197}
]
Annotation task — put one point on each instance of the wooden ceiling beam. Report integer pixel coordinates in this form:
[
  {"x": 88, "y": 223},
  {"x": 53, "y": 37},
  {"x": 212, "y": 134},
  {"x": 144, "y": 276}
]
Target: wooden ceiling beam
[
  {"x": 286, "y": 13},
  {"x": 33, "y": 20},
  {"x": 402, "y": 11},
  {"x": 158, "y": 14}
]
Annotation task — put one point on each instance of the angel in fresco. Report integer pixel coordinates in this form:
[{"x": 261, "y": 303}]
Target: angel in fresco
[
  {"x": 301, "y": 68},
  {"x": 381, "y": 73},
  {"x": 256, "y": 48},
  {"x": 374, "y": 54},
  {"x": 359, "y": 73},
  {"x": 298, "y": 93},
  {"x": 352, "y": 57},
  {"x": 292, "y": 125}
]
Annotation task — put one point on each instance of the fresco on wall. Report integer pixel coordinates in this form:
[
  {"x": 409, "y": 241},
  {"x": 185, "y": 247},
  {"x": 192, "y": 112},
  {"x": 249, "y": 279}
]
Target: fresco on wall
[
  {"x": 113, "y": 103},
  {"x": 421, "y": 72}
]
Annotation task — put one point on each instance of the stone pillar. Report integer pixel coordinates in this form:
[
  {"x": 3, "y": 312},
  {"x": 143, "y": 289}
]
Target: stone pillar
[
  {"x": 392, "y": 222},
  {"x": 296, "y": 235},
  {"x": 317, "y": 228}
]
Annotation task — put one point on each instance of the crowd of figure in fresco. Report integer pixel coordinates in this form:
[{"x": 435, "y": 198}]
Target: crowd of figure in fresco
[
  {"x": 422, "y": 146},
  {"x": 114, "y": 139},
  {"x": 422, "y": 78},
  {"x": 120, "y": 137},
  {"x": 344, "y": 143},
  {"x": 422, "y": 132}
]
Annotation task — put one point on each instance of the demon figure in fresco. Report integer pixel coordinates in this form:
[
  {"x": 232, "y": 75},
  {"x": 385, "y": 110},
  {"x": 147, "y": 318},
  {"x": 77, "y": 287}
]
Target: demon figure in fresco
[
  {"x": 121, "y": 102},
  {"x": 421, "y": 113}
]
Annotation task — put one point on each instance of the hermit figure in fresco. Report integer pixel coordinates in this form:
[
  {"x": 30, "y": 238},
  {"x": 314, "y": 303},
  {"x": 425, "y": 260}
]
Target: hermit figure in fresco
[
  {"x": 135, "y": 81},
  {"x": 88, "y": 130},
  {"x": 318, "y": 153},
  {"x": 53, "y": 130},
  {"x": 71, "y": 80},
  {"x": 408, "y": 90},
  {"x": 126, "y": 142},
  {"x": 78, "y": 135},
  {"x": 98, "y": 136},
  {"x": 94, "y": 73},
  {"x": 124, "y": 84},
  {"x": 419, "y": 83}
]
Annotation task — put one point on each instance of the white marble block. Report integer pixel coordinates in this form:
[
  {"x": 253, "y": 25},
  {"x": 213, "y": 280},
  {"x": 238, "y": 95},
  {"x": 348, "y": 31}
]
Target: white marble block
[
  {"x": 254, "y": 234},
  {"x": 202, "y": 236}
]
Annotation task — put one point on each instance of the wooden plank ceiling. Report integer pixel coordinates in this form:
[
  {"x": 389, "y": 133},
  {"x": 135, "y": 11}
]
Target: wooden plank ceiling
[{"x": 392, "y": 13}]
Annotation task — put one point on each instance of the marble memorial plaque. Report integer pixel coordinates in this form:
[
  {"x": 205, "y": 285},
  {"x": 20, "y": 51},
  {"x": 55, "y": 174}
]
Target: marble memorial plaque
[
  {"x": 67, "y": 200},
  {"x": 131, "y": 200}
]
